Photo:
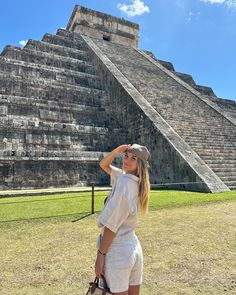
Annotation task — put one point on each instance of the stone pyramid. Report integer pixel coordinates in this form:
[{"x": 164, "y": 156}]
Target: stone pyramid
[{"x": 70, "y": 98}]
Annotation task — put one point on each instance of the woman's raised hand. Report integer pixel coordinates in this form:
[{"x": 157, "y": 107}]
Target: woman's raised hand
[
  {"x": 107, "y": 160},
  {"x": 122, "y": 148}
]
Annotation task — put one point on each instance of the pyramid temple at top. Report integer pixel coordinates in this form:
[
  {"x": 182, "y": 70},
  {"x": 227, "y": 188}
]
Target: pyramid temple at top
[{"x": 69, "y": 99}]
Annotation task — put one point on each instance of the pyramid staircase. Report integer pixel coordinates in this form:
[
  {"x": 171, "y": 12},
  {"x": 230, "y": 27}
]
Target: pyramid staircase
[
  {"x": 55, "y": 115},
  {"x": 203, "y": 127}
]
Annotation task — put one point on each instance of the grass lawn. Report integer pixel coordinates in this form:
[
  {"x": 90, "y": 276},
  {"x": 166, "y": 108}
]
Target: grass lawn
[
  {"x": 20, "y": 208},
  {"x": 188, "y": 239}
]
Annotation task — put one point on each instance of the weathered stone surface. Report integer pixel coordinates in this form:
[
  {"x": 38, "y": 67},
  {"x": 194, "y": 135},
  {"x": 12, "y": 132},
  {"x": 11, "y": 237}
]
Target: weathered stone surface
[
  {"x": 47, "y": 60},
  {"x": 68, "y": 99},
  {"x": 102, "y": 26},
  {"x": 181, "y": 168},
  {"x": 226, "y": 105},
  {"x": 55, "y": 121}
]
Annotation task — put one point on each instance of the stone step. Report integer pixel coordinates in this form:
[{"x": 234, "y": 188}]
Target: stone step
[
  {"x": 215, "y": 150},
  {"x": 186, "y": 78},
  {"x": 220, "y": 163},
  {"x": 77, "y": 114},
  {"x": 204, "y": 129},
  {"x": 21, "y": 123},
  {"x": 223, "y": 167},
  {"x": 207, "y": 127},
  {"x": 204, "y": 90},
  {"x": 50, "y": 104},
  {"x": 34, "y": 71},
  {"x": 217, "y": 146},
  {"x": 54, "y": 172},
  {"x": 204, "y": 144},
  {"x": 57, "y": 50},
  {"x": 64, "y": 41},
  {"x": 43, "y": 89},
  {"x": 188, "y": 121},
  {"x": 69, "y": 35},
  {"x": 231, "y": 184},
  {"x": 168, "y": 65},
  {"x": 226, "y": 135},
  {"x": 222, "y": 156},
  {"x": 58, "y": 146},
  {"x": 19, "y": 131},
  {"x": 228, "y": 178},
  {"x": 224, "y": 173},
  {"x": 48, "y": 59},
  {"x": 82, "y": 154},
  {"x": 219, "y": 159},
  {"x": 218, "y": 139},
  {"x": 189, "y": 80},
  {"x": 195, "y": 121},
  {"x": 13, "y": 145}
]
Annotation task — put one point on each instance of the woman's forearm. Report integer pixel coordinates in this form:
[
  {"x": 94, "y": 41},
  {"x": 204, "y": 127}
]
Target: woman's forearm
[
  {"x": 107, "y": 239},
  {"x": 106, "y": 161}
]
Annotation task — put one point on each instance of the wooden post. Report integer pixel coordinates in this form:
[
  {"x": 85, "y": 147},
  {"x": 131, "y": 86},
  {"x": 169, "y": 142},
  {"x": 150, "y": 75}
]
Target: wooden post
[{"x": 92, "y": 205}]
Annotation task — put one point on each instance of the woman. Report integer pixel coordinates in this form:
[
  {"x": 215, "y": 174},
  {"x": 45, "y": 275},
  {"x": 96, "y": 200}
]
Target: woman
[{"x": 119, "y": 256}]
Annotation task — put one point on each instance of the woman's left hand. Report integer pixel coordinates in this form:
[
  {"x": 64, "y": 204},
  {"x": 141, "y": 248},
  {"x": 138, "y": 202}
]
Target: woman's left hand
[{"x": 99, "y": 265}]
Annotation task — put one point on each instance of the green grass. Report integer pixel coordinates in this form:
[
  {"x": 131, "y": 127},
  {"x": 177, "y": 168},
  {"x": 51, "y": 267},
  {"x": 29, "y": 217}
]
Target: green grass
[
  {"x": 169, "y": 199},
  {"x": 188, "y": 241},
  {"x": 187, "y": 250},
  {"x": 19, "y": 208}
]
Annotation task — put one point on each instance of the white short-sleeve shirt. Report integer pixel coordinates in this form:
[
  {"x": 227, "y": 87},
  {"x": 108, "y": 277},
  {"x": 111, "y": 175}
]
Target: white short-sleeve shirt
[{"x": 120, "y": 213}]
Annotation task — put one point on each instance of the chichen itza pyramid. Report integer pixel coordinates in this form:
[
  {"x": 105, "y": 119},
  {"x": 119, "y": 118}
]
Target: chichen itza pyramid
[{"x": 70, "y": 98}]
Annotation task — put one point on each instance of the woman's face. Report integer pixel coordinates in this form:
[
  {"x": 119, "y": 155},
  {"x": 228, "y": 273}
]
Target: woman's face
[{"x": 130, "y": 163}]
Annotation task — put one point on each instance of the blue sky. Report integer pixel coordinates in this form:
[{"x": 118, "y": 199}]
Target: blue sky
[{"x": 197, "y": 36}]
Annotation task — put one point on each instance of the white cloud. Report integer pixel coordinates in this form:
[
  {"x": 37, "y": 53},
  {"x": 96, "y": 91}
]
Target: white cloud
[
  {"x": 214, "y": 1},
  {"x": 228, "y": 3},
  {"x": 231, "y": 3},
  {"x": 23, "y": 42},
  {"x": 137, "y": 7},
  {"x": 193, "y": 15}
]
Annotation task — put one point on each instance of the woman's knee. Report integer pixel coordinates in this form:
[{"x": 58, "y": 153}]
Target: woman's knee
[{"x": 134, "y": 290}]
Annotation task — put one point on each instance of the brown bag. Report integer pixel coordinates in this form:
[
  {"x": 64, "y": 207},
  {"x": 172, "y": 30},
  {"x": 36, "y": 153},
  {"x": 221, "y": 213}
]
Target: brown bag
[{"x": 95, "y": 289}]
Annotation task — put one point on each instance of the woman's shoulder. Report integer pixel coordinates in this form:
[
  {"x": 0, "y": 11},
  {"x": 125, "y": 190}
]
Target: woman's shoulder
[
  {"x": 115, "y": 173},
  {"x": 127, "y": 181}
]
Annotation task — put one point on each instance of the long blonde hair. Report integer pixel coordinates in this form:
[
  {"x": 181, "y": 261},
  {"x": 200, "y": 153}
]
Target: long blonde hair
[{"x": 144, "y": 185}]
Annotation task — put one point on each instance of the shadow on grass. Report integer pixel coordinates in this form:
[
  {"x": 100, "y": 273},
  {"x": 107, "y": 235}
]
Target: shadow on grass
[{"x": 84, "y": 215}]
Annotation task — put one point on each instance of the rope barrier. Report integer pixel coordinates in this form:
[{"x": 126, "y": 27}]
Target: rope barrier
[{"x": 90, "y": 194}]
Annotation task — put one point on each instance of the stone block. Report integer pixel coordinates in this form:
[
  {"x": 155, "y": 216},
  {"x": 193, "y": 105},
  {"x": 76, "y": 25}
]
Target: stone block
[{"x": 3, "y": 110}]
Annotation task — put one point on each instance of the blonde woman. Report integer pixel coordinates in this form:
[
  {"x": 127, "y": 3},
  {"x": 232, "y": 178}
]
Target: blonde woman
[{"x": 119, "y": 256}]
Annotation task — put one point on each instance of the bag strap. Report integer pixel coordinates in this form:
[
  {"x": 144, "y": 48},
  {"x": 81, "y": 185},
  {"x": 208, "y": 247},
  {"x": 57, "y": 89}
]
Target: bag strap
[
  {"x": 105, "y": 287},
  {"x": 105, "y": 284},
  {"x": 94, "y": 285}
]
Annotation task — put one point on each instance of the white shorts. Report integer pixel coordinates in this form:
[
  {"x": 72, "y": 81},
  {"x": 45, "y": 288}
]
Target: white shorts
[{"x": 124, "y": 265}]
